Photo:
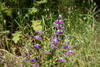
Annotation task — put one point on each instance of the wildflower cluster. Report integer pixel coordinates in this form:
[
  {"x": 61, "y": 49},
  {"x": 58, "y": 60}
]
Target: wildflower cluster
[
  {"x": 31, "y": 59},
  {"x": 56, "y": 41},
  {"x": 37, "y": 38},
  {"x": 59, "y": 46}
]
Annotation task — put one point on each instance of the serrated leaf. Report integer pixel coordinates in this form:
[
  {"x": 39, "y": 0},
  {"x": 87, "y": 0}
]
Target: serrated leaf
[
  {"x": 16, "y": 36},
  {"x": 36, "y": 25}
]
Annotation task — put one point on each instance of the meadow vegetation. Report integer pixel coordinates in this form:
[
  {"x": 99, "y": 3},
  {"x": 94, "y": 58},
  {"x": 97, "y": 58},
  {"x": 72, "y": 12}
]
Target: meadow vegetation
[{"x": 49, "y": 33}]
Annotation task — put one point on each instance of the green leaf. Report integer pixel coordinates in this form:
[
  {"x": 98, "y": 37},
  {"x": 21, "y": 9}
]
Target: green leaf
[
  {"x": 16, "y": 36},
  {"x": 36, "y": 25}
]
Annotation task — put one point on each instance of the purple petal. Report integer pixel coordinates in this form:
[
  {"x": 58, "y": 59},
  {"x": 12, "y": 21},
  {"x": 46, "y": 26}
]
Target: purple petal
[
  {"x": 50, "y": 52},
  {"x": 61, "y": 26},
  {"x": 60, "y": 21},
  {"x": 61, "y": 60},
  {"x": 36, "y": 45},
  {"x": 33, "y": 59},
  {"x": 53, "y": 47},
  {"x": 32, "y": 66},
  {"x": 51, "y": 41},
  {"x": 70, "y": 60},
  {"x": 58, "y": 31},
  {"x": 60, "y": 17},
  {"x": 37, "y": 38},
  {"x": 44, "y": 51},
  {"x": 56, "y": 26},
  {"x": 26, "y": 53},
  {"x": 61, "y": 31},
  {"x": 36, "y": 64},
  {"x": 25, "y": 60},
  {"x": 40, "y": 32},
  {"x": 57, "y": 21}
]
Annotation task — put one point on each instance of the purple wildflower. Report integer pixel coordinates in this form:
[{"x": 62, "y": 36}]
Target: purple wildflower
[
  {"x": 25, "y": 60},
  {"x": 65, "y": 51},
  {"x": 36, "y": 45},
  {"x": 36, "y": 64},
  {"x": 60, "y": 21},
  {"x": 73, "y": 53},
  {"x": 56, "y": 26},
  {"x": 44, "y": 51},
  {"x": 61, "y": 26},
  {"x": 53, "y": 47},
  {"x": 66, "y": 55},
  {"x": 50, "y": 52},
  {"x": 60, "y": 17},
  {"x": 37, "y": 38},
  {"x": 61, "y": 60},
  {"x": 55, "y": 34},
  {"x": 27, "y": 34},
  {"x": 26, "y": 53},
  {"x": 50, "y": 40},
  {"x": 58, "y": 31},
  {"x": 70, "y": 52},
  {"x": 67, "y": 47},
  {"x": 61, "y": 31},
  {"x": 40, "y": 32},
  {"x": 57, "y": 21},
  {"x": 70, "y": 60},
  {"x": 68, "y": 42},
  {"x": 32, "y": 66},
  {"x": 33, "y": 59},
  {"x": 56, "y": 42},
  {"x": 64, "y": 28},
  {"x": 19, "y": 65}
]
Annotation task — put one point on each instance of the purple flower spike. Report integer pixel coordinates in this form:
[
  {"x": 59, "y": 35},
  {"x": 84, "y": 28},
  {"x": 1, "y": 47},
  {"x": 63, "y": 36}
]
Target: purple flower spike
[
  {"x": 36, "y": 64},
  {"x": 57, "y": 21},
  {"x": 33, "y": 59},
  {"x": 60, "y": 21},
  {"x": 60, "y": 17},
  {"x": 53, "y": 47},
  {"x": 61, "y": 60},
  {"x": 36, "y": 45}
]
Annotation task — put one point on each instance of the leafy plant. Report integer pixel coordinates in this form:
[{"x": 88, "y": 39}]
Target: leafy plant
[{"x": 16, "y": 36}]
